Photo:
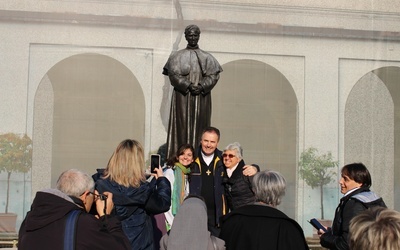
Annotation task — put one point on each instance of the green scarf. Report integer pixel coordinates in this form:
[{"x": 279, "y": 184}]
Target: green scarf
[{"x": 179, "y": 186}]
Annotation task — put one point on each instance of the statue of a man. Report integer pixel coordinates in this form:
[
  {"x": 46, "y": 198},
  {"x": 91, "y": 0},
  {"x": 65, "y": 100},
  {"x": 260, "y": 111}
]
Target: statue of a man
[{"x": 193, "y": 74}]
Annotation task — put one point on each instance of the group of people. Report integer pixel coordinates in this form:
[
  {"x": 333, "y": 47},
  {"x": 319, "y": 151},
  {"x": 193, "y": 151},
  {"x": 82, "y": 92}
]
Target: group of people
[
  {"x": 62, "y": 218},
  {"x": 209, "y": 174},
  {"x": 205, "y": 199},
  {"x": 210, "y": 198}
]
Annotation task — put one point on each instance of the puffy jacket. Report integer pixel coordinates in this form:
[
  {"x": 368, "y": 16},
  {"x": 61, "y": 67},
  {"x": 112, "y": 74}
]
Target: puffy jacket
[
  {"x": 238, "y": 191},
  {"x": 133, "y": 206}
]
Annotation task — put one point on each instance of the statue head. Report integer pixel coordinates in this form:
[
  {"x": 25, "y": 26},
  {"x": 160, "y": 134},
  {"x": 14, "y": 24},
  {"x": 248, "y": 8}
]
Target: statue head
[
  {"x": 192, "y": 27},
  {"x": 192, "y": 35}
]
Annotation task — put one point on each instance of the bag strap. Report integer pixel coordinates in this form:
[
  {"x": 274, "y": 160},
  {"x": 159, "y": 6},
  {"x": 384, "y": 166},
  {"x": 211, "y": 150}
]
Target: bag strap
[{"x": 70, "y": 229}]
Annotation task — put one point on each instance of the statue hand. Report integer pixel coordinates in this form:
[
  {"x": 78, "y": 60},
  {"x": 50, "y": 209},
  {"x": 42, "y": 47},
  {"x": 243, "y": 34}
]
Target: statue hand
[{"x": 194, "y": 89}]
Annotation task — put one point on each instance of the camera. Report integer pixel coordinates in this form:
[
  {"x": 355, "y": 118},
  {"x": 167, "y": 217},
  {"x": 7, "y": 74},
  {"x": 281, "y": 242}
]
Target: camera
[{"x": 102, "y": 197}]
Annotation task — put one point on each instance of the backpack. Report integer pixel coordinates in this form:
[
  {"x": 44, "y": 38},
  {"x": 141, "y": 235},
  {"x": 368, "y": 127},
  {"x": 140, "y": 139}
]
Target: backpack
[{"x": 70, "y": 229}]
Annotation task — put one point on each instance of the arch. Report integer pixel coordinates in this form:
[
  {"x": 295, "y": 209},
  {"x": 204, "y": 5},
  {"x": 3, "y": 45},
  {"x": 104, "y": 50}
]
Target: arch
[
  {"x": 369, "y": 129},
  {"x": 255, "y": 105},
  {"x": 84, "y": 106}
]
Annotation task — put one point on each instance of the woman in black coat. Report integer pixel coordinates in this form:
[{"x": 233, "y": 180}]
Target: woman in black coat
[
  {"x": 237, "y": 185},
  {"x": 261, "y": 225}
]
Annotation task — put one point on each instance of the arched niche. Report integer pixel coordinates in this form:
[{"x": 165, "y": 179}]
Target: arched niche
[
  {"x": 84, "y": 106},
  {"x": 255, "y": 105},
  {"x": 371, "y": 121}
]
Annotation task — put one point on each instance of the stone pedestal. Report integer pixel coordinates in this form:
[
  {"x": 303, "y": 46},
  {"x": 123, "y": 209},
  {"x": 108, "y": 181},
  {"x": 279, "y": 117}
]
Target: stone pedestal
[{"x": 8, "y": 222}]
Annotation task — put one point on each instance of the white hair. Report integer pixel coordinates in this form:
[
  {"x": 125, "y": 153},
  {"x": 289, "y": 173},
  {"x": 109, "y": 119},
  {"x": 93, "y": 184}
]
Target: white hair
[{"x": 74, "y": 182}]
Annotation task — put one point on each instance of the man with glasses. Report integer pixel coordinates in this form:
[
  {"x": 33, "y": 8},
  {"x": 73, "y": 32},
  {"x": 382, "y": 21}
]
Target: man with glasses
[
  {"x": 51, "y": 223},
  {"x": 207, "y": 175}
]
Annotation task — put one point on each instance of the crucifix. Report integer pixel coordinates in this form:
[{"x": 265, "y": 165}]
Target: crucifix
[{"x": 208, "y": 172}]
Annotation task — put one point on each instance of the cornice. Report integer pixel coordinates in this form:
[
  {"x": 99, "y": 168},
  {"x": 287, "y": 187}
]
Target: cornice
[{"x": 135, "y": 22}]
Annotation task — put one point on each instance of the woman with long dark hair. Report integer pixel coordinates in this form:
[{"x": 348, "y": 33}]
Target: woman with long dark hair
[{"x": 177, "y": 172}]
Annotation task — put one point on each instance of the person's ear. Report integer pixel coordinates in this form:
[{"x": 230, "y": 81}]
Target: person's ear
[{"x": 84, "y": 196}]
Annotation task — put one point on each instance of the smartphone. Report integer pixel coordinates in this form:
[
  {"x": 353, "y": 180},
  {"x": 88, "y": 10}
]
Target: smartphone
[
  {"x": 317, "y": 224},
  {"x": 155, "y": 162}
]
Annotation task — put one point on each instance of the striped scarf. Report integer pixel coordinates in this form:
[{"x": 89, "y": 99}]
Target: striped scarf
[{"x": 179, "y": 186}]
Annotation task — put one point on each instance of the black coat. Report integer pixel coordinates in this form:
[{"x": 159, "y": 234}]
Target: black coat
[
  {"x": 43, "y": 227},
  {"x": 238, "y": 190},
  {"x": 254, "y": 227},
  {"x": 350, "y": 205},
  {"x": 196, "y": 186}
]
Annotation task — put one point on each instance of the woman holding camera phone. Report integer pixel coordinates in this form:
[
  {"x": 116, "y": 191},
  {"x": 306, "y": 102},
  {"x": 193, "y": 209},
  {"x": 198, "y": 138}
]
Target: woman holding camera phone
[{"x": 134, "y": 198}]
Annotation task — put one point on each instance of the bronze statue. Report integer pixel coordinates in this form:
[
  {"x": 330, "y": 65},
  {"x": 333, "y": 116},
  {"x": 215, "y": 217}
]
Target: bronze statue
[{"x": 193, "y": 74}]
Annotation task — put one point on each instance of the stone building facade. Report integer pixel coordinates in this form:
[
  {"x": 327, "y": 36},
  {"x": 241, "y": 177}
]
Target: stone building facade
[{"x": 80, "y": 76}]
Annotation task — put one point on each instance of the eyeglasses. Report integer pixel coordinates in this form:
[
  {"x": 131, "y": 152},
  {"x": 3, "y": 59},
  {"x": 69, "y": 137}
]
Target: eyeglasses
[
  {"x": 99, "y": 196},
  {"x": 228, "y": 155}
]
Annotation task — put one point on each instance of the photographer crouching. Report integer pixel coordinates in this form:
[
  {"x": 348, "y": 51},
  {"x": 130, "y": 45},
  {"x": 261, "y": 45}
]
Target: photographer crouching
[{"x": 59, "y": 218}]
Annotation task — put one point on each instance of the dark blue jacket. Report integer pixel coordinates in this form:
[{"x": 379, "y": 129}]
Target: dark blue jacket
[
  {"x": 195, "y": 184},
  {"x": 133, "y": 206}
]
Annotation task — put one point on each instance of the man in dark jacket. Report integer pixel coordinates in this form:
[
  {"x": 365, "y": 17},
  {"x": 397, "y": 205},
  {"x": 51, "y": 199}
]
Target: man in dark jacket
[
  {"x": 207, "y": 175},
  {"x": 45, "y": 225},
  {"x": 355, "y": 182}
]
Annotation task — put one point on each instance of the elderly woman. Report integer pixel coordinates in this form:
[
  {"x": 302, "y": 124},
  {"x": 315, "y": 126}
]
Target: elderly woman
[
  {"x": 238, "y": 188},
  {"x": 354, "y": 184},
  {"x": 261, "y": 225}
]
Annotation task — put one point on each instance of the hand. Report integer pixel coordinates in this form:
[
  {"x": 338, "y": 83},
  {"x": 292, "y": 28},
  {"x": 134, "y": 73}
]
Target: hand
[
  {"x": 195, "y": 89},
  {"x": 101, "y": 203},
  {"x": 158, "y": 172},
  {"x": 320, "y": 232},
  {"x": 249, "y": 170}
]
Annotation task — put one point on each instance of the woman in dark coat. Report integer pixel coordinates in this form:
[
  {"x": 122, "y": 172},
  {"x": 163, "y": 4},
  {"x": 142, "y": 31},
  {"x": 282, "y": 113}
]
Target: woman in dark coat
[
  {"x": 238, "y": 190},
  {"x": 135, "y": 199},
  {"x": 354, "y": 184},
  {"x": 261, "y": 225}
]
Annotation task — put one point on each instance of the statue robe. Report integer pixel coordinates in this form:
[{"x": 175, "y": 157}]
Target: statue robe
[{"x": 190, "y": 114}]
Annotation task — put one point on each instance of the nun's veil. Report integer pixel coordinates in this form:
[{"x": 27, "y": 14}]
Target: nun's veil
[{"x": 189, "y": 229}]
